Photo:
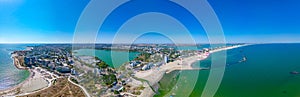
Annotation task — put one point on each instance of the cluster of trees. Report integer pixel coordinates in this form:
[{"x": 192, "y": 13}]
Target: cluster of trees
[
  {"x": 109, "y": 79},
  {"x": 144, "y": 57},
  {"x": 173, "y": 56},
  {"x": 74, "y": 80},
  {"x": 102, "y": 64}
]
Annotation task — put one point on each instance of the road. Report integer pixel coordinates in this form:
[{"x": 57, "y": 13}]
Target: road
[{"x": 84, "y": 90}]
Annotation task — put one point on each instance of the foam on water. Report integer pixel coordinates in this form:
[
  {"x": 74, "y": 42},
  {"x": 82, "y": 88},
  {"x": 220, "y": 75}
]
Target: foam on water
[{"x": 9, "y": 75}]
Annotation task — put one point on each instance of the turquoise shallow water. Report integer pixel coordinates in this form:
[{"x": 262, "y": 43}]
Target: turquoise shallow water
[
  {"x": 112, "y": 58},
  {"x": 9, "y": 75},
  {"x": 266, "y": 73}
]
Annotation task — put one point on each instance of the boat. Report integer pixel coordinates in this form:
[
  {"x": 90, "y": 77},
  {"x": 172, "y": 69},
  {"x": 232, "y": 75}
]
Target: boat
[
  {"x": 294, "y": 72},
  {"x": 243, "y": 60}
]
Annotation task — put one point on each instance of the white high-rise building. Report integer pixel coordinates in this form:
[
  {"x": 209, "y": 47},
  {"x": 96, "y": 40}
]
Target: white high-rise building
[{"x": 166, "y": 59}]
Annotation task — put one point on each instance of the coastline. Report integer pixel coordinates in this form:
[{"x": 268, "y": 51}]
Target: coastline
[
  {"x": 16, "y": 62},
  {"x": 28, "y": 84},
  {"x": 36, "y": 81},
  {"x": 153, "y": 76},
  {"x": 13, "y": 89}
]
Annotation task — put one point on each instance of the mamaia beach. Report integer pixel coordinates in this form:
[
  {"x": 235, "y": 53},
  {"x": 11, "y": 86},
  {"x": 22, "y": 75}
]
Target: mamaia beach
[
  {"x": 263, "y": 74},
  {"x": 154, "y": 75}
]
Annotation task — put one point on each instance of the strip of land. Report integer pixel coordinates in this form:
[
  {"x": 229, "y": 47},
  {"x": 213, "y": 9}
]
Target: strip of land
[{"x": 154, "y": 75}]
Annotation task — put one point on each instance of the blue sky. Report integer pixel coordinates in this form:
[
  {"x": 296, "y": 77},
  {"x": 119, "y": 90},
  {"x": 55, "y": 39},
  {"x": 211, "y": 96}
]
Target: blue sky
[{"x": 27, "y": 21}]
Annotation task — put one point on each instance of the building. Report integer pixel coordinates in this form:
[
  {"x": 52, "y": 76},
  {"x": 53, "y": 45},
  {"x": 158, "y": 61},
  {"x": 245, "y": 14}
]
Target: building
[
  {"x": 205, "y": 50},
  {"x": 133, "y": 64},
  {"x": 158, "y": 64},
  {"x": 96, "y": 71},
  {"x": 63, "y": 69},
  {"x": 29, "y": 61},
  {"x": 166, "y": 59},
  {"x": 51, "y": 66},
  {"x": 73, "y": 72},
  {"x": 117, "y": 88},
  {"x": 45, "y": 63},
  {"x": 145, "y": 67}
]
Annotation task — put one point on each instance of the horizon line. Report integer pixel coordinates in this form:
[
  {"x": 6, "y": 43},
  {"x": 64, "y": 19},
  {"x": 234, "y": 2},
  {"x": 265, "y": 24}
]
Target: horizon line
[{"x": 143, "y": 43}]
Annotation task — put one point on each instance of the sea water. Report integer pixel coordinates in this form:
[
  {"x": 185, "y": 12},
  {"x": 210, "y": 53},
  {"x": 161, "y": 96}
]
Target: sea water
[
  {"x": 9, "y": 74},
  {"x": 265, "y": 73}
]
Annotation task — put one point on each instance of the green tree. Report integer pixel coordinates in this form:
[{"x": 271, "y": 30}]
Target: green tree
[
  {"x": 102, "y": 64},
  {"x": 109, "y": 79}
]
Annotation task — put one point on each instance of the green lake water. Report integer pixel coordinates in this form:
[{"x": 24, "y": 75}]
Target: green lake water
[
  {"x": 112, "y": 58},
  {"x": 266, "y": 73}
]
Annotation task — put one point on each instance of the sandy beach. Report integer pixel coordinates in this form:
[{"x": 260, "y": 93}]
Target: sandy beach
[
  {"x": 15, "y": 89},
  {"x": 35, "y": 82},
  {"x": 154, "y": 75}
]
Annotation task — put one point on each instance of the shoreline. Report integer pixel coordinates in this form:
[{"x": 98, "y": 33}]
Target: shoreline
[
  {"x": 17, "y": 64},
  {"x": 25, "y": 85},
  {"x": 154, "y": 75},
  {"x": 36, "y": 80}
]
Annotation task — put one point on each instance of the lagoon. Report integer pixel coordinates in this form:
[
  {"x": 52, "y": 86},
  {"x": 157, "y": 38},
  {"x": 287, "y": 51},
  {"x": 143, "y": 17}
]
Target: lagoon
[{"x": 112, "y": 58}]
